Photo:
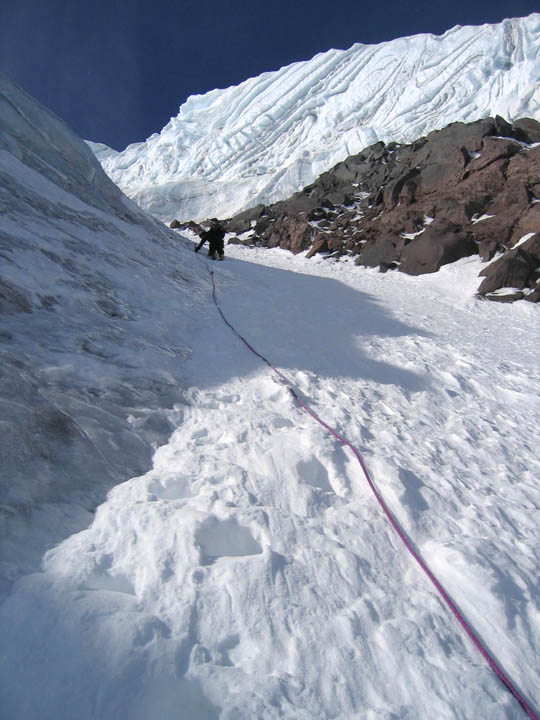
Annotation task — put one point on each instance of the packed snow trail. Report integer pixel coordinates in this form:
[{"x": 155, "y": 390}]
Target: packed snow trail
[
  {"x": 250, "y": 574},
  {"x": 455, "y": 611}
]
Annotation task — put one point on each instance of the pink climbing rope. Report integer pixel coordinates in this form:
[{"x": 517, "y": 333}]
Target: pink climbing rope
[{"x": 401, "y": 533}]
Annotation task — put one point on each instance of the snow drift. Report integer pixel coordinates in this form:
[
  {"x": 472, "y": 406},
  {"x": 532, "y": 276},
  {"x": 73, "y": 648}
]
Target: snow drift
[{"x": 271, "y": 135}]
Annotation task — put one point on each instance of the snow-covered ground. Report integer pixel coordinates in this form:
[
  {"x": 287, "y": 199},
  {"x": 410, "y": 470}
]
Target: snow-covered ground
[
  {"x": 272, "y": 135},
  {"x": 250, "y": 573}
]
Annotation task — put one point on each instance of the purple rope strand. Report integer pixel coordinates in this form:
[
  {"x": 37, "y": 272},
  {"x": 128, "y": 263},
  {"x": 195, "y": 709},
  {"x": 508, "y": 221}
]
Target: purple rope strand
[{"x": 449, "y": 602}]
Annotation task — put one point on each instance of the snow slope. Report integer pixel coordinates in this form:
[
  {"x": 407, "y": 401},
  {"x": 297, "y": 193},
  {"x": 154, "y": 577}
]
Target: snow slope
[
  {"x": 271, "y": 135},
  {"x": 250, "y": 573},
  {"x": 98, "y": 305}
]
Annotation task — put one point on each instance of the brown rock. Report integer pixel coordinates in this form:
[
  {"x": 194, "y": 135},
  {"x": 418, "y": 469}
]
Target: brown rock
[
  {"x": 511, "y": 202},
  {"x": 532, "y": 247},
  {"x": 534, "y": 296},
  {"x": 378, "y": 252},
  {"x": 515, "y": 269},
  {"x": 289, "y": 233},
  {"x": 429, "y": 251},
  {"x": 335, "y": 241},
  {"x": 529, "y": 130},
  {"x": 320, "y": 245},
  {"x": 492, "y": 235},
  {"x": 243, "y": 221},
  {"x": 189, "y": 225},
  {"x": 494, "y": 149},
  {"x": 528, "y": 223},
  {"x": 455, "y": 175}
]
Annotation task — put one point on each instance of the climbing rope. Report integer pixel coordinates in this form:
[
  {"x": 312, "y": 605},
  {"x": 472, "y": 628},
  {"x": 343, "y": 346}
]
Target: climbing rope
[{"x": 400, "y": 532}]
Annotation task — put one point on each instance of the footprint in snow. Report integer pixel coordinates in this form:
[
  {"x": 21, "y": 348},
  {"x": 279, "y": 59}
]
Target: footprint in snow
[
  {"x": 199, "y": 437},
  {"x": 105, "y": 577},
  {"x": 315, "y": 474},
  {"x": 231, "y": 399},
  {"x": 224, "y": 538},
  {"x": 171, "y": 488}
]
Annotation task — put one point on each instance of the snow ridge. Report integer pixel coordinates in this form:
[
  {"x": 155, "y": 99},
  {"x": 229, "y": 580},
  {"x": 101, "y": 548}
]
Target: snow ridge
[{"x": 271, "y": 135}]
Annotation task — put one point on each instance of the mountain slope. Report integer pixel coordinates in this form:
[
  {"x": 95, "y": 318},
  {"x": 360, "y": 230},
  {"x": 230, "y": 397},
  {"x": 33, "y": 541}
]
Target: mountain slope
[
  {"x": 272, "y": 135},
  {"x": 251, "y": 574},
  {"x": 97, "y": 315}
]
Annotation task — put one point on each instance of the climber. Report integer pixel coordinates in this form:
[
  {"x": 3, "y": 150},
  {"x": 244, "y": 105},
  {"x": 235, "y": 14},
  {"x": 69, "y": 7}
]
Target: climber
[{"x": 215, "y": 236}]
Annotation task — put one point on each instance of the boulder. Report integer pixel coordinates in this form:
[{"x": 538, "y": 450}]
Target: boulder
[
  {"x": 527, "y": 130},
  {"x": 394, "y": 189},
  {"x": 489, "y": 245},
  {"x": 317, "y": 214},
  {"x": 382, "y": 251},
  {"x": 515, "y": 269},
  {"x": 534, "y": 296},
  {"x": 298, "y": 203},
  {"x": 493, "y": 149},
  {"x": 384, "y": 266},
  {"x": 528, "y": 223},
  {"x": 263, "y": 224},
  {"x": 289, "y": 233},
  {"x": 477, "y": 202},
  {"x": 335, "y": 241},
  {"x": 243, "y": 221},
  {"x": 429, "y": 251},
  {"x": 189, "y": 225},
  {"x": 374, "y": 153},
  {"x": 319, "y": 245},
  {"x": 459, "y": 134},
  {"x": 512, "y": 202},
  {"x": 503, "y": 127},
  {"x": 532, "y": 247},
  {"x": 492, "y": 235}
]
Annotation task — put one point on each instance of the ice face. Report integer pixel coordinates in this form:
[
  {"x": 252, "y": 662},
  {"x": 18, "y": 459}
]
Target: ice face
[
  {"x": 87, "y": 364},
  {"x": 271, "y": 135}
]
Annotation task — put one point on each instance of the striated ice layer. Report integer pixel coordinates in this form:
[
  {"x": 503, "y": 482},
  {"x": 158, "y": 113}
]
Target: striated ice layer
[{"x": 271, "y": 135}]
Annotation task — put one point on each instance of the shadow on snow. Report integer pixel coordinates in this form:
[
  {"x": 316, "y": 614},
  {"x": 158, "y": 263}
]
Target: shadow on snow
[{"x": 298, "y": 322}]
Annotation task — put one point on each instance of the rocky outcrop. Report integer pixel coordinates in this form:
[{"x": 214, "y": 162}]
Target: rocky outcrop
[
  {"x": 517, "y": 270},
  {"x": 189, "y": 225},
  {"x": 464, "y": 190},
  {"x": 426, "y": 253}
]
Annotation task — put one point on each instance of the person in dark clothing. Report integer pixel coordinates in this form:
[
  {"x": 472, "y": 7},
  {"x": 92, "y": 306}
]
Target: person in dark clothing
[{"x": 214, "y": 236}]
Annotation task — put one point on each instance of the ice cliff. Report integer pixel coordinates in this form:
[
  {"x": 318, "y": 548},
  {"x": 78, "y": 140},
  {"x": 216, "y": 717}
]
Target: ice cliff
[{"x": 271, "y": 135}]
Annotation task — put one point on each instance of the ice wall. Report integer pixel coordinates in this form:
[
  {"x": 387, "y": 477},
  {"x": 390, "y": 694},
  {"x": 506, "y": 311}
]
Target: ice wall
[{"x": 271, "y": 135}]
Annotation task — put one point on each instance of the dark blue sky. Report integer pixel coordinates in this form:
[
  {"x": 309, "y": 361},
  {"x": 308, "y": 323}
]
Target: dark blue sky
[{"x": 117, "y": 70}]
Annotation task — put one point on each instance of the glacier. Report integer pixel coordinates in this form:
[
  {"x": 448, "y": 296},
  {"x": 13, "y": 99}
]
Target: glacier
[{"x": 268, "y": 137}]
